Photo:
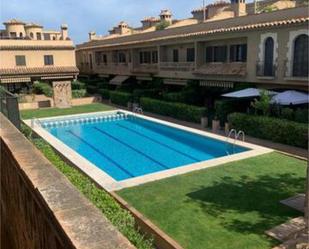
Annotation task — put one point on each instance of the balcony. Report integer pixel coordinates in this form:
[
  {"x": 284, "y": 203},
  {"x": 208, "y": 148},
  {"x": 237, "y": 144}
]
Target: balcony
[
  {"x": 177, "y": 66},
  {"x": 238, "y": 69},
  {"x": 113, "y": 68},
  {"x": 145, "y": 68},
  {"x": 265, "y": 70}
]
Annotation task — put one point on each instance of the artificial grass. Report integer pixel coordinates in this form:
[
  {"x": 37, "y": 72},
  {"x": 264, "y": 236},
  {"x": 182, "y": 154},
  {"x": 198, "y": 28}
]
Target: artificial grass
[
  {"x": 118, "y": 216},
  {"x": 226, "y": 207},
  {"x": 49, "y": 112}
]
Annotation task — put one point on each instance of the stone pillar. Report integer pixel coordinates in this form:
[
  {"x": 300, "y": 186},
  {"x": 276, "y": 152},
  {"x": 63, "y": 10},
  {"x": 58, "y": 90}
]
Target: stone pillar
[{"x": 62, "y": 94}]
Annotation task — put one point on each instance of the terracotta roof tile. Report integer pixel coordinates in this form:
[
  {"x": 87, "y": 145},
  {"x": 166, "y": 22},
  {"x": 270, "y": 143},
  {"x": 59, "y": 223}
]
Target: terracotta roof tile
[
  {"x": 37, "y": 70},
  {"x": 264, "y": 20}
]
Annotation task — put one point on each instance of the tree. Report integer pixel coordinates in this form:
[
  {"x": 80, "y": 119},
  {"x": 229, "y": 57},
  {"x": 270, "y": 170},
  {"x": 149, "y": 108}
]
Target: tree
[
  {"x": 262, "y": 104},
  {"x": 162, "y": 25}
]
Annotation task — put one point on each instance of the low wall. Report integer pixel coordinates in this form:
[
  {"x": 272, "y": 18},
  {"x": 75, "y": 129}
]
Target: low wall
[
  {"x": 85, "y": 101},
  {"x": 50, "y": 103},
  {"x": 40, "y": 208}
]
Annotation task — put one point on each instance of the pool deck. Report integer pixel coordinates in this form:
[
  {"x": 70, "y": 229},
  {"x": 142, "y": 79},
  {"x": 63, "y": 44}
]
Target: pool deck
[{"x": 110, "y": 184}]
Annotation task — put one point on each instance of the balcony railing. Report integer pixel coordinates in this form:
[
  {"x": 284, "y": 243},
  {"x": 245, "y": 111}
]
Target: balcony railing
[
  {"x": 265, "y": 69},
  {"x": 145, "y": 68},
  {"x": 177, "y": 66},
  {"x": 113, "y": 67}
]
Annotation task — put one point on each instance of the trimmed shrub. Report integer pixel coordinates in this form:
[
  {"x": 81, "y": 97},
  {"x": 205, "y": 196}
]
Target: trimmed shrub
[
  {"x": 77, "y": 85},
  {"x": 139, "y": 93},
  {"x": 287, "y": 113},
  {"x": 91, "y": 89},
  {"x": 104, "y": 93},
  {"x": 120, "y": 98},
  {"x": 43, "y": 88},
  {"x": 174, "y": 97},
  {"x": 274, "y": 129},
  {"x": 77, "y": 94},
  {"x": 176, "y": 110},
  {"x": 301, "y": 115}
]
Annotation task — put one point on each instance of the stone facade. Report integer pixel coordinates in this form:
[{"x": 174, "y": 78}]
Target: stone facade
[{"x": 62, "y": 94}]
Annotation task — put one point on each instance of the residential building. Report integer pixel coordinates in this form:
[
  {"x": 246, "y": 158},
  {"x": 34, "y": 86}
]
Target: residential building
[
  {"x": 28, "y": 53},
  {"x": 223, "y": 44}
]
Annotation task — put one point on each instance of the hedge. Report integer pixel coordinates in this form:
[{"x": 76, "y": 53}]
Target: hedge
[
  {"x": 104, "y": 93},
  {"x": 76, "y": 94},
  {"x": 77, "y": 85},
  {"x": 120, "y": 98},
  {"x": 139, "y": 93},
  {"x": 274, "y": 129},
  {"x": 43, "y": 88},
  {"x": 176, "y": 110}
]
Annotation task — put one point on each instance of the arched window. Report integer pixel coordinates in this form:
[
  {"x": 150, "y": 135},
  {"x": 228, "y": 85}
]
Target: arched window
[
  {"x": 31, "y": 35},
  {"x": 269, "y": 57},
  {"x": 300, "y": 59},
  {"x": 21, "y": 35}
]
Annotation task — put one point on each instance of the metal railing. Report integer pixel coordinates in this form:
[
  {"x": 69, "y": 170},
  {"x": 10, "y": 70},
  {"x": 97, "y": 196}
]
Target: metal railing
[
  {"x": 145, "y": 68},
  {"x": 263, "y": 70},
  {"x": 9, "y": 106}
]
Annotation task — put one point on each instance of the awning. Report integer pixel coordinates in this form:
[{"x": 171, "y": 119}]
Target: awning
[
  {"x": 214, "y": 83},
  {"x": 118, "y": 80},
  {"x": 291, "y": 98},
  {"x": 247, "y": 93},
  {"x": 175, "y": 82},
  {"x": 15, "y": 80}
]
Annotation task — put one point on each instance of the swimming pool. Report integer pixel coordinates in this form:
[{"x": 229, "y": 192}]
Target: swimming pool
[{"x": 126, "y": 146}]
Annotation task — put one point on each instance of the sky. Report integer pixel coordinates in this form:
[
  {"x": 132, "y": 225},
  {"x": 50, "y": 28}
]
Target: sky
[{"x": 91, "y": 15}]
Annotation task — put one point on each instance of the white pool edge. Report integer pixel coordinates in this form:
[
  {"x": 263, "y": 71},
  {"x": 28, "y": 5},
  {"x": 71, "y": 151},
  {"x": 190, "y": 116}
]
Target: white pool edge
[{"x": 110, "y": 184}]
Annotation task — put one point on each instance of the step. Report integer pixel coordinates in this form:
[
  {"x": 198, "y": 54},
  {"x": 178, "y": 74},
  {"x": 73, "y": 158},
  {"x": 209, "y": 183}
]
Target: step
[
  {"x": 296, "y": 202},
  {"x": 287, "y": 230}
]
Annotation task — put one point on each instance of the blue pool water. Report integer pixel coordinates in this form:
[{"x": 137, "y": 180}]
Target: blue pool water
[{"x": 129, "y": 147}]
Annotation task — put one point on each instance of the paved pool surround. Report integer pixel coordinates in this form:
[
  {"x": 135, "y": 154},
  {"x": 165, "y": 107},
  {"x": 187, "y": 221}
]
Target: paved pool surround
[{"x": 109, "y": 183}]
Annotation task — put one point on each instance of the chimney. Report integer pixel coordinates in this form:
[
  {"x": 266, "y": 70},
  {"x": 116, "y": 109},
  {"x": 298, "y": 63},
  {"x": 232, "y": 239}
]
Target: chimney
[
  {"x": 239, "y": 7},
  {"x": 92, "y": 35},
  {"x": 64, "y": 32},
  {"x": 166, "y": 15}
]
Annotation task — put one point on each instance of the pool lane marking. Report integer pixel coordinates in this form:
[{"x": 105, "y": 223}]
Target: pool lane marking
[
  {"x": 101, "y": 153},
  {"x": 158, "y": 142},
  {"x": 129, "y": 146}
]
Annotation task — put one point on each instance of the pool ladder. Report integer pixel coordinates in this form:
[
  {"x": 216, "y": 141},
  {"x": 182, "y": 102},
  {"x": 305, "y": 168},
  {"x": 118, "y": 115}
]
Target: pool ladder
[
  {"x": 237, "y": 136},
  {"x": 34, "y": 120}
]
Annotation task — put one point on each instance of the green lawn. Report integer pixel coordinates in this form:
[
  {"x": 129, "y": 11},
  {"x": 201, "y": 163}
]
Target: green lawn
[
  {"x": 48, "y": 112},
  {"x": 227, "y": 207}
]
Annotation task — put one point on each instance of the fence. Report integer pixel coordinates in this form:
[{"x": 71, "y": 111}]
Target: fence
[{"x": 9, "y": 106}]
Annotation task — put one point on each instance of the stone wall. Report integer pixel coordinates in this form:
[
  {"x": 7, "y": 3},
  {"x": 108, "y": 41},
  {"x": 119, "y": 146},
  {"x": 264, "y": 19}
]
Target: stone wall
[{"x": 40, "y": 208}]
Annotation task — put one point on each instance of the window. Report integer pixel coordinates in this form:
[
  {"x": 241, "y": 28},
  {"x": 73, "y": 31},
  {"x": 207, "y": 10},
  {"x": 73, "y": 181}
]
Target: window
[
  {"x": 90, "y": 61},
  {"x": 145, "y": 57},
  {"x": 216, "y": 54},
  {"x": 268, "y": 57},
  {"x": 121, "y": 57},
  {"x": 175, "y": 55},
  {"x": 48, "y": 60},
  {"x": 220, "y": 53},
  {"x": 20, "y": 60},
  {"x": 238, "y": 53},
  {"x": 38, "y": 36},
  {"x": 190, "y": 54},
  {"x": 104, "y": 58},
  {"x": 31, "y": 35},
  {"x": 300, "y": 59},
  {"x": 21, "y": 35},
  {"x": 155, "y": 57}
]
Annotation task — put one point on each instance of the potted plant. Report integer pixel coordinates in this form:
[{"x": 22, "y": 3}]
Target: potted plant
[{"x": 215, "y": 124}]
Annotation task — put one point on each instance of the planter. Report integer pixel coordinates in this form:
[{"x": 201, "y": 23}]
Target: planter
[
  {"x": 130, "y": 106},
  {"x": 215, "y": 125},
  {"x": 227, "y": 127},
  {"x": 204, "y": 122}
]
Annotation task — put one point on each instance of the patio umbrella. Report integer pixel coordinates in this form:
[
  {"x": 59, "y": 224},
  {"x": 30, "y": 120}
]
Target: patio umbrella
[
  {"x": 290, "y": 97},
  {"x": 247, "y": 93}
]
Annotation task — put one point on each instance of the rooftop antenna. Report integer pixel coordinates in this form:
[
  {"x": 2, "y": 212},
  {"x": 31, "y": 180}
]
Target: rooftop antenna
[{"x": 204, "y": 11}]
